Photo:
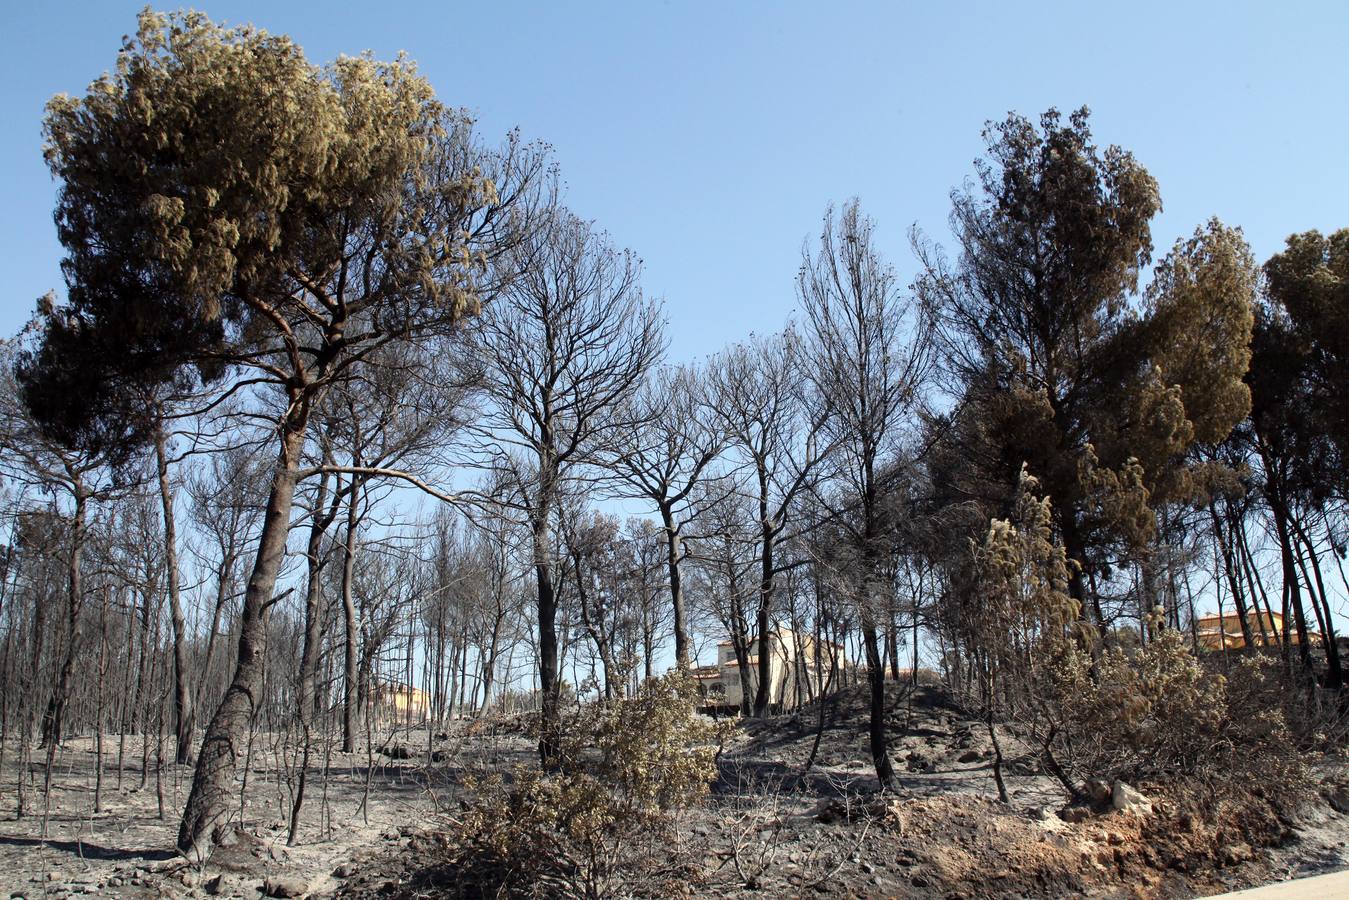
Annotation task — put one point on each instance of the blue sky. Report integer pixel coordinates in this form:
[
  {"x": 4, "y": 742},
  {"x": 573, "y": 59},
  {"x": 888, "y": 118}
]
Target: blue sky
[{"x": 709, "y": 137}]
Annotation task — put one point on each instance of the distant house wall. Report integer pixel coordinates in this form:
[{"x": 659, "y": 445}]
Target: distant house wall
[
  {"x": 1224, "y": 632},
  {"x": 790, "y": 652},
  {"x": 394, "y": 702}
]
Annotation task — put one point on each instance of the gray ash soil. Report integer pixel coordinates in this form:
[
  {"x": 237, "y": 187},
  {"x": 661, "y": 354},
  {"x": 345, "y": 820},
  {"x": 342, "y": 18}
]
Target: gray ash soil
[
  {"x": 770, "y": 829},
  {"x": 767, "y": 829}
]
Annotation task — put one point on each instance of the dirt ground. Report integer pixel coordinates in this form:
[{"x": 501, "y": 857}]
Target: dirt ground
[
  {"x": 767, "y": 830},
  {"x": 126, "y": 849}
]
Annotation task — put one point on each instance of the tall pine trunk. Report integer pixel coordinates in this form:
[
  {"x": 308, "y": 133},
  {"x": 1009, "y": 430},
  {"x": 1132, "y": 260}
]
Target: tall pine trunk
[
  {"x": 1291, "y": 582},
  {"x": 764, "y": 695},
  {"x": 207, "y": 813},
  {"x": 1334, "y": 670},
  {"x": 547, "y": 601},
  {"x": 321, "y": 518},
  {"x": 1229, "y": 570},
  {"x": 673, "y": 551}
]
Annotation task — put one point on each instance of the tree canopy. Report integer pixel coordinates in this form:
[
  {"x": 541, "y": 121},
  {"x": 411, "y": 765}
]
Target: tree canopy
[
  {"x": 1059, "y": 364},
  {"x": 223, "y": 202}
]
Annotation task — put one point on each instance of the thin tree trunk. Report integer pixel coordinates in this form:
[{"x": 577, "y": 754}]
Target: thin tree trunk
[
  {"x": 1292, "y": 584},
  {"x": 673, "y": 552},
  {"x": 98, "y": 717},
  {"x": 763, "y": 697},
  {"x": 489, "y": 663},
  {"x": 350, "y": 697},
  {"x": 221, "y": 598},
  {"x": 1229, "y": 569},
  {"x": 1256, "y": 585},
  {"x": 892, "y": 648},
  {"x": 885, "y": 772},
  {"x": 596, "y": 632},
  {"x": 52, "y": 721},
  {"x": 182, "y": 701},
  {"x": 321, "y": 517},
  {"x": 822, "y": 699},
  {"x": 124, "y": 710},
  {"x": 997, "y": 752},
  {"x": 1334, "y": 672},
  {"x": 548, "y": 661}
]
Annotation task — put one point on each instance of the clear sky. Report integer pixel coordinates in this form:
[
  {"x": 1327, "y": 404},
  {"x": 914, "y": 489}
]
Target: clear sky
[{"x": 709, "y": 137}]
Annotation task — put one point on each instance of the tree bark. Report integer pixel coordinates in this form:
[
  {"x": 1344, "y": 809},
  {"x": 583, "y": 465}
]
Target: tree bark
[
  {"x": 597, "y": 631},
  {"x": 1077, "y": 585},
  {"x": 1291, "y": 582},
  {"x": 1334, "y": 670},
  {"x": 207, "y": 813},
  {"x": 880, "y": 757},
  {"x": 489, "y": 661},
  {"x": 352, "y": 686},
  {"x": 1229, "y": 569},
  {"x": 52, "y": 721},
  {"x": 673, "y": 551},
  {"x": 183, "y": 719},
  {"x": 1255, "y": 584},
  {"x": 222, "y": 596},
  {"x": 549, "y": 688},
  {"x": 320, "y": 518},
  {"x": 763, "y": 696}
]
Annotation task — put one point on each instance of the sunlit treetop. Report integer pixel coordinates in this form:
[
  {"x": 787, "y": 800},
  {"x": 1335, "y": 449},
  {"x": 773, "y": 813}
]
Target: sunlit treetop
[{"x": 223, "y": 202}]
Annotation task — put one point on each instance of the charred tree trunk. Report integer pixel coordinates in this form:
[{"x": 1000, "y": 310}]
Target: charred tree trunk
[
  {"x": 764, "y": 695},
  {"x": 596, "y": 630},
  {"x": 880, "y": 757},
  {"x": 53, "y": 719},
  {"x": 221, "y": 598},
  {"x": 1334, "y": 672},
  {"x": 183, "y": 719},
  {"x": 489, "y": 661},
  {"x": 1291, "y": 581},
  {"x": 321, "y": 517},
  {"x": 1230, "y": 571},
  {"x": 892, "y": 648},
  {"x": 351, "y": 692},
  {"x": 1254, "y": 583},
  {"x": 673, "y": 552},
  {"x": 1077, "y": 584},
  {"x": 207, "y": 812},
  {"x": 549, "y": 688}
]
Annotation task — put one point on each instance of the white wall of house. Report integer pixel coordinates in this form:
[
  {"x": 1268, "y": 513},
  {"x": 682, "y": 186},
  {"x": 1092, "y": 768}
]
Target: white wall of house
[{"x": 782, "y": 670}]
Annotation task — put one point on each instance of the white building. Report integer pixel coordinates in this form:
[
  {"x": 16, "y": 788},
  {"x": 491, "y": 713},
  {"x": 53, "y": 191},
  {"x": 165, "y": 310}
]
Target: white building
[{"x": 792, "y": 667}]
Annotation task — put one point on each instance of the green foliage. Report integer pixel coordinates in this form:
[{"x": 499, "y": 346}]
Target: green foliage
[
  {"x": 1201, "y": 310},
  {"x": 588, "y": 827},
  {"x": 224, "y": 202},
  {"x": 1302, "y": 366},
  {"x": 1062, "y": 367}
]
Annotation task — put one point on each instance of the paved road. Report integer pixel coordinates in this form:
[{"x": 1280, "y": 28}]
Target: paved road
[{"x": 1334, "y": 886}]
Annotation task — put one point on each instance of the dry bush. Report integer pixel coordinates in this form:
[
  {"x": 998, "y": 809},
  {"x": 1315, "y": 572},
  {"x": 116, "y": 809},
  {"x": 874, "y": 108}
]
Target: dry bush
[
  {"x": 602, "y": 823},
  {"x": 1318, "y": 719},
  {"x": 1148, "y": 712},
  {"x": 1154, "y": 713}
]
